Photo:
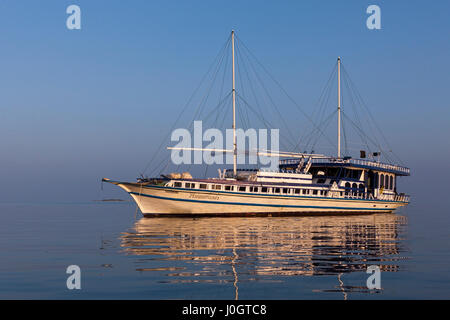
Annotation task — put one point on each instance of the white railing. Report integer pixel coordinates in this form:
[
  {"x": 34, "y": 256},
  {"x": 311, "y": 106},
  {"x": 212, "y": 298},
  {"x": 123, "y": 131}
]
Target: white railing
[{"x": 354, "y": 161}]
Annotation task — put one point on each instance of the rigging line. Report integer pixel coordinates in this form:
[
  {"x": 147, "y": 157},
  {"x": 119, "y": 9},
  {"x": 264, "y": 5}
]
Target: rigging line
[
  {"x": 225, "y": 99},
  {"x": 166, "y": 166},
  {"x": 377, "y": 143},
  {"x": 205, "y": 98},
  {"x": 290, "y": 135},
  {"x": 373, "y": 119},
  {"x": 215, "y": 125},
  {"x": 326, "y": 122},
  {"x": 373, "y": 132},
  {"x": 241, "y": 118},
  {"x": 158, "y": 168},
  {"x": 324, "y": 98},
  {"x": 239, "y": 97},
  {"x": 241, "y": 84},
  {"x": 217, "y": 107},
  {"x": 260, "y": 115},
  {"x": 290, "y": 138},
  {"x": 343, "y": 127},
  {"x": 310, "y": 136},
  {"x": 279, "y": 85},
  {"x": 186, "y": 105},
  {"x": 251, "y": 87},
  {"x": 224, "y": 116},
  {"x": 246, "y": 122},
  {"x": 322, "y": 107},
  {"x": 355, "y": 93},
  {"x": 328, "y": 96},
  {"x": 258, "y": 112},
  {"x": 206, "y": 171},
  {"x": 261, "y": 83},
  {"x": 265, "y": 122},
  {"x": 355, "y": 110},
  {"x": 345, "y": 115},
  {"x": 223, "y": 77}
]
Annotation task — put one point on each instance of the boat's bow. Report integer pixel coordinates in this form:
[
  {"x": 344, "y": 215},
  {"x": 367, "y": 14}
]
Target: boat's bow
[{"x": 127, "y": 186}]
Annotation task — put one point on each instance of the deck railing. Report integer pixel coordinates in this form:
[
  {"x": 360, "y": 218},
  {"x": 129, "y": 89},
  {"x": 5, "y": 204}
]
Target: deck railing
[
  {"x": 369, "y": 196},
  {"x": 361, "y": 162}
]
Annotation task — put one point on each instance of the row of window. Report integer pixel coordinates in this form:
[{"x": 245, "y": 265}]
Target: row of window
[
  {"x": 298, "y": 191},
  {"x": 385, "y": 181},
  {"x": 354, "y": 189}
]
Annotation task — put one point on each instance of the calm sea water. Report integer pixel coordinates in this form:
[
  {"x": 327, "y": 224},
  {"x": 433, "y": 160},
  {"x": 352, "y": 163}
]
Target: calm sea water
[{"x": 125, "y": 256}]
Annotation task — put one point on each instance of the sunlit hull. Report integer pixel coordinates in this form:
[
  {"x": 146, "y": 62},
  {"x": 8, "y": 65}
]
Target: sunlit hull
[{"x": 159, "y": 200}]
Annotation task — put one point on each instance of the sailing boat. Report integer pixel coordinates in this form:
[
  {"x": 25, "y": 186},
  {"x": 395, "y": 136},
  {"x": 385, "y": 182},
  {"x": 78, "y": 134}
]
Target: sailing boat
[{"x": 305, "y": 183}]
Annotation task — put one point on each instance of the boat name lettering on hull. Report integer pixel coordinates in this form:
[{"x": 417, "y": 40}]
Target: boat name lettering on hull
[{"x": 203, "y": 196}]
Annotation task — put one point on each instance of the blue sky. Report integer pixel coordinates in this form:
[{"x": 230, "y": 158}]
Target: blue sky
[{"x": 77, "y": 105}]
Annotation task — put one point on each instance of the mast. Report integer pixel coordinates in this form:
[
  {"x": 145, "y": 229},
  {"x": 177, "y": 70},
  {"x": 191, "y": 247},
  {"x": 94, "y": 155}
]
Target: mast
[
  {"x": 234, "y": 111},
  {"x": 339, "y": 107}
]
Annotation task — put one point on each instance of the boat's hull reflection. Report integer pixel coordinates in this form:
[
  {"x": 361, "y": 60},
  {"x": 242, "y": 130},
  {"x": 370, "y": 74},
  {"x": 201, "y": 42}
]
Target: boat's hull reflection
[{"x": 246, "y": 249}]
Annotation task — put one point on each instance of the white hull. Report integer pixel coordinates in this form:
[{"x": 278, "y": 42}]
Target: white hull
[{"x": 156, "y": 200}]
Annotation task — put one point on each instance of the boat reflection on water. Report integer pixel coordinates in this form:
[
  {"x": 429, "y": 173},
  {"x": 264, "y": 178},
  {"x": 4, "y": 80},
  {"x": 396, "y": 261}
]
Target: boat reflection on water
[{"x": 265, "y": 249}]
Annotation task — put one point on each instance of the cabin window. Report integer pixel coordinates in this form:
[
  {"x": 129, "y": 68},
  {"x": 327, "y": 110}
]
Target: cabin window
[
  {"x": 229, "y": 188},
  {"x": 361, "y": 189},
  {"x": 297, "y": 191},
  {"x": 264, "y": 189},
  {"x": 305, "y": 191},
  {"x": 381, "y": 180},
  {"x": 315, "y": 192},
  {"x": 355, "y": 174},
  {"x": 242, "y": 189},
  {"x": 322, "y": 192},
  {"x": 253, "y": 189},
  {"x": 285, "y": 190},
  {"x": 203, "y": 186},
  {"x": 217, "y": 187},
  {"x": 189, "y": 185},
  {"x": 347, "y": 187},
  {"x": 354, "y": 189},
  {"x": 276, "y": 190},
  {"x": 177, "y": 184}
]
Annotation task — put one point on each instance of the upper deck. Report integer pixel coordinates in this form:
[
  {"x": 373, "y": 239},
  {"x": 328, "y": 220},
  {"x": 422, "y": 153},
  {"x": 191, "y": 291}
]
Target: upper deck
[{"x": 355, "y": 163}]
